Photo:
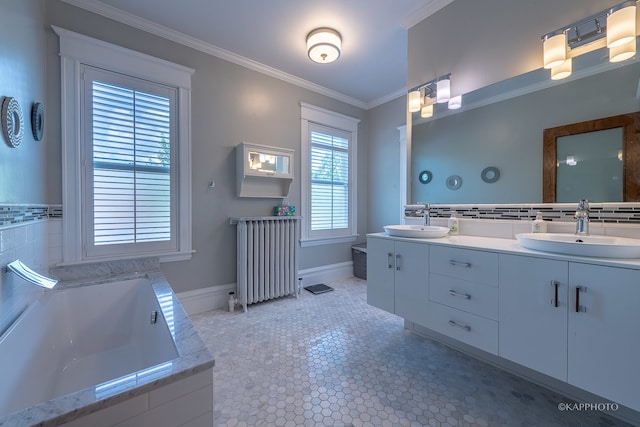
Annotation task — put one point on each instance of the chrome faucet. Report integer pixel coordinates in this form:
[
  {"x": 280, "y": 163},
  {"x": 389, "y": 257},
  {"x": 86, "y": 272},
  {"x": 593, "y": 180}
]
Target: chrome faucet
[
  {"x": 582, "y": 218},
  {"x": 425, "y": 214}
]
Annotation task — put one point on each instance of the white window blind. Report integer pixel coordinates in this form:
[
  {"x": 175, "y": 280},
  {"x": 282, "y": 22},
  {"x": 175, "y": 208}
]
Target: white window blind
[
  {"x": 131, "y": 153},
  {"x": 131, "y": 165},
  {"x": 329, "y": 179}
]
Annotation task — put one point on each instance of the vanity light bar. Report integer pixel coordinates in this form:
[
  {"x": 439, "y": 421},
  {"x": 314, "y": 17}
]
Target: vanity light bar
[
  {"x": 422, "y": 97},
  {"x": 614, "y": 28}
]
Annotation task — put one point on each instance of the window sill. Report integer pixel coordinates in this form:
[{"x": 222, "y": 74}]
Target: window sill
[
  {"x": 162, "y": 258},
  {"x": 328, "y": 240}
]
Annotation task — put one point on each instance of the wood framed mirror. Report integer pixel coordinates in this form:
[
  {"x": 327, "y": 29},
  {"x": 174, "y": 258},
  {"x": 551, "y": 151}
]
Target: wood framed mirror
[{"x": 629, "y": 126}]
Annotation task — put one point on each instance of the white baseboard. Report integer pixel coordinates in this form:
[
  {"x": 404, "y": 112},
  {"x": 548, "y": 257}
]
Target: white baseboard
[
  {"x": 206, "y": 299},
  {"x": 215, "y": 297},
  {"x": 326, "y": 273}
]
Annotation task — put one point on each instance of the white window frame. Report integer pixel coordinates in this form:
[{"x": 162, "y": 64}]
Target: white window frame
[
  {"x": 312, "y": 114},
  {"x": 77, "y": 50}
]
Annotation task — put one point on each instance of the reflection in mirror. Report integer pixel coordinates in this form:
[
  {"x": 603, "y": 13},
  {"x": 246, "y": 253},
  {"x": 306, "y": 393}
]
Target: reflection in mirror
[
  {"x": 596, "y": 159},
  {"x": 506, "y": 132},
  {"x": 589, "y": 166}
]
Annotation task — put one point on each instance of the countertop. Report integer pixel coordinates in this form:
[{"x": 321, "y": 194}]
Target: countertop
[{"x": 511, "y": 246}]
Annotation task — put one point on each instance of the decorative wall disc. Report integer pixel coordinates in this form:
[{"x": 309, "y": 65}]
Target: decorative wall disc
[
  {"x": 12, "y": 121},
  {"x": 37, "y": 120},
  {"x": 490, "y": 174},
  {"x": 425, "y": 177},
  {"x": 454, "y": 182}
]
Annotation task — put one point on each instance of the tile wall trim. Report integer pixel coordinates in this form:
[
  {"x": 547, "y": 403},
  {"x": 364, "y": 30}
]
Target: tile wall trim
[
  {"x": 616, "y": 213},
  {"x": 12, "y": 215}
]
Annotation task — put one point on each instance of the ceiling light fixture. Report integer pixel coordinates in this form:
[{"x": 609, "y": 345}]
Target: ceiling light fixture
[
  {"x": 614, "y": 28},
  {"x": 324, "y": 45}
]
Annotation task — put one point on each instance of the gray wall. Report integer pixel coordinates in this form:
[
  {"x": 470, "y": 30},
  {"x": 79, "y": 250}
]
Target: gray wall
[
  {"x": 508, "y": 135},
  {"x": 384, "y": 163},
  {"x": 23, "y": 170},
  {"x": 230, "y": 105}
]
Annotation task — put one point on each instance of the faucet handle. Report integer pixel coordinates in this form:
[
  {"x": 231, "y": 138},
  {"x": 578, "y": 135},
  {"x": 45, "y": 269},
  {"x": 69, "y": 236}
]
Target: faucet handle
[{"x": 583, "y": 204}]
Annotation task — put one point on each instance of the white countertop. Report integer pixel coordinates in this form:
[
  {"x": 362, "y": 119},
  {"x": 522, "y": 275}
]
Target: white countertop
[{"x": 511, "y": 246}]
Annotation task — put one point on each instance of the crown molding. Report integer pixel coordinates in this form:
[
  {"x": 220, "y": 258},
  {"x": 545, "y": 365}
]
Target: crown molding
[
  {"x": 118, "y": 15},
  {"x": 384, "y": 99},
  {"x": 424, "y": 12}
]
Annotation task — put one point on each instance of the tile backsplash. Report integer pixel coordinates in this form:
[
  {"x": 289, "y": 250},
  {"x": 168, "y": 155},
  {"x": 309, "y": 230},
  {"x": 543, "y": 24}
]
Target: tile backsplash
[{"x": 618, "y": 213}]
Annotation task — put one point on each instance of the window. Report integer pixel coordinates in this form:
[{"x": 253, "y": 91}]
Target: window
[
  {"x": 126, "y": 140},
  {"x": 129, "y": 128},
  {"x": 328, "y": 175}
]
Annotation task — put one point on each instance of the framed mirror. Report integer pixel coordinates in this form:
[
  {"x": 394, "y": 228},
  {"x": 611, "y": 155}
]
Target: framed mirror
[{"x": 618, "y": 136}]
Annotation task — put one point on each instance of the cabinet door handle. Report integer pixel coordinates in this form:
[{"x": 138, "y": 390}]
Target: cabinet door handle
[
  {"x": 459, "y": 263},
  {"x": 389, "y": 260},
  {"x": 397, "y": 262},
  {"x": 554, "y": 301},
  {"x": 460, "y": 325},
  {"x": 580, "y": 308},
  {"x": 458, "y": 294}
]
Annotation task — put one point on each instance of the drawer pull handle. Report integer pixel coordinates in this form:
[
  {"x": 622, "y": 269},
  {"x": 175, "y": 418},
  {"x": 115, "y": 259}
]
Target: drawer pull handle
[
  {"x": 554, "y": 301},
  {"x": 458, "y": 294},
  {"x": 580, "y": 308},
  {"x": 389, "y": 260},
  {"x": 397, "y": 262},
  {"x": 459, "y": 263},
  {"x": 460, "y": 325}
]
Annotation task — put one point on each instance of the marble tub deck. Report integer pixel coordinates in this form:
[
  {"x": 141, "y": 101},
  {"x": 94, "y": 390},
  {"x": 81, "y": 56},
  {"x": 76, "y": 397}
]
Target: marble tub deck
[
  {"x": 194, "y": 356},
  {"x": 331, "y": 359}
]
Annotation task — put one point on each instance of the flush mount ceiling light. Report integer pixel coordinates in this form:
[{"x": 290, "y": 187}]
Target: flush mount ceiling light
[
  {"x": 614, "y": 28},
  {"x": 323, "y": 45}
]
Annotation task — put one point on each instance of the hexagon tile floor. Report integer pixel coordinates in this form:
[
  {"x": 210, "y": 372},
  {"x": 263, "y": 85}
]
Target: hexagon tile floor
[{"x": 331, "y": 359}]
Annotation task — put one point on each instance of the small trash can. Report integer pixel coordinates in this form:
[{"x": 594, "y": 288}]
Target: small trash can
[{"x": 359, "y": 254}]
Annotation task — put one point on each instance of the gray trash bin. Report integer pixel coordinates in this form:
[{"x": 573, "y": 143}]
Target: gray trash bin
[{"x": 359, "y": 254}]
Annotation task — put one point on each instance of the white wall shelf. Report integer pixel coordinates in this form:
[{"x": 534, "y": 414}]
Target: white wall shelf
[{"x": 263, "y": 171}]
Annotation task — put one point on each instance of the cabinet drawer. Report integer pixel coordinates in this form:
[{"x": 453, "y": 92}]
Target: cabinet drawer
[
  {"x": 465, "y": 264},
  {"x": 468, "y": 296},
  {"x": 468, "y": 328}
]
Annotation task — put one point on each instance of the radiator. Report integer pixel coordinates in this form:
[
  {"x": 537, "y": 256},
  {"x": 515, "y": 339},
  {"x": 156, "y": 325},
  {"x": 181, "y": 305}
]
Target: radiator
[{"x": 267, "y": 258}]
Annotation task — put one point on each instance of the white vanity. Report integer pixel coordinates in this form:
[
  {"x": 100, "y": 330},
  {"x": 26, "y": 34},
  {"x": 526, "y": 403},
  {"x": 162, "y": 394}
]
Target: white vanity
[{"x": 574, "y": 319}]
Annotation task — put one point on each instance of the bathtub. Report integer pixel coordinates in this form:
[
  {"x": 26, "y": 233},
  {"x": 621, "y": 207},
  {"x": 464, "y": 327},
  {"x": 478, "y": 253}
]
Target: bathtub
[{"x": 74, "y": 349}]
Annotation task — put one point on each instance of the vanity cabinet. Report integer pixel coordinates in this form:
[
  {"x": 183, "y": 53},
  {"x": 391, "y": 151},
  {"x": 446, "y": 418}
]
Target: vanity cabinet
[
  {"x": 533, "y": 313},
  {"x": 604, "y": 332},
  {"x": 463, "y": 296},
  {"x": 398, "y": 277},
  {"x": 575, "y": 322}
]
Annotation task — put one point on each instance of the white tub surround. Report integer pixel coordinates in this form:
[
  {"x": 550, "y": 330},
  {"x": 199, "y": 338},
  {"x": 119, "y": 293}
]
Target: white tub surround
[
  {"x": 568, "y": 322},
  {"x": 128, "y": 370}
]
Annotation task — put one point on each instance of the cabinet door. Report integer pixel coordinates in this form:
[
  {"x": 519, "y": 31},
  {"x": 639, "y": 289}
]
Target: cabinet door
[
  {"x": 412, "y": 281},
  {"x": 604, "y": 339},
  {"x": 533, "y": 330},
  {"x": 380, "y": 273}
]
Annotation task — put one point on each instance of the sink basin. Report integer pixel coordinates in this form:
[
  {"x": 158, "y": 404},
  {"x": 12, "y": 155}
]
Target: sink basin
[
  {"x": 570, "y": 244},
  {"x": 416, "y": 231}
]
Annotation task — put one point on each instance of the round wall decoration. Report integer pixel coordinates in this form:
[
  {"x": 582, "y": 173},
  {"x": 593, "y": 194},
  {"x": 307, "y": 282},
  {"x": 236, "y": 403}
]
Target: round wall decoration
[
  {"x": 12, "y": 121},
  {"x": 425, "y": 177},
  {"x": 37, "y": 120},
  {"x": 454, "y": 182},
  {"x": 490, "y": 174}
]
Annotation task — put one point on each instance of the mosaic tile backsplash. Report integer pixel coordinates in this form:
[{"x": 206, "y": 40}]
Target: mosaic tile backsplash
[
  {"x": 19, "y": 214},
  {"x": 622, "y": 213}
]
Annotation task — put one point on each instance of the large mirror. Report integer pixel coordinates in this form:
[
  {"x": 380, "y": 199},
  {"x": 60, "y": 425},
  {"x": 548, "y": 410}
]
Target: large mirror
[
  {"x": 595, "y": 159},
  {"x": 505, "y": 133}
]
